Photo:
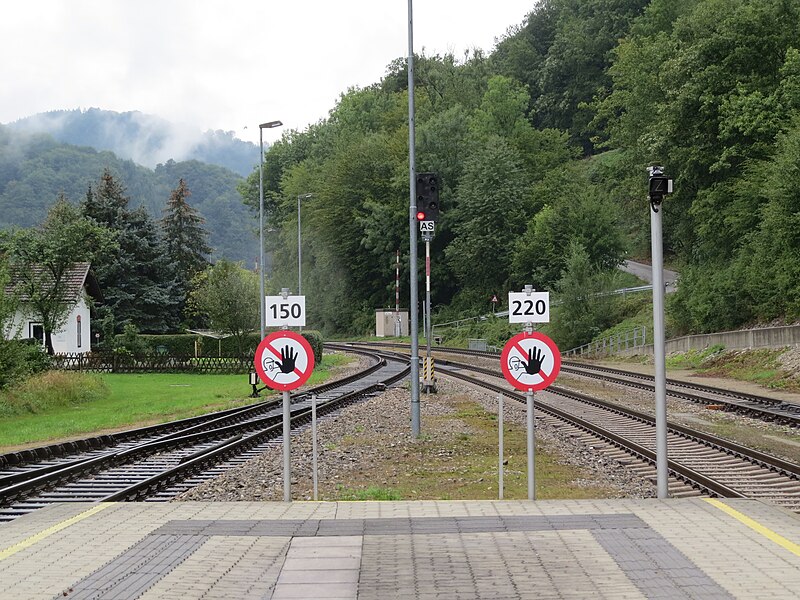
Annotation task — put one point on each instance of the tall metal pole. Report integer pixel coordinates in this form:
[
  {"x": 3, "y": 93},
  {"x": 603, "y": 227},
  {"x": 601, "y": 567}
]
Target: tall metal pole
[
  {"x": 412, "y": 225},
  {"x": 662, "y": 468},
  {"x": 261, "y": 266},
  {"x": 299, "y": 253},
  {"x": 262, "y": 301}
]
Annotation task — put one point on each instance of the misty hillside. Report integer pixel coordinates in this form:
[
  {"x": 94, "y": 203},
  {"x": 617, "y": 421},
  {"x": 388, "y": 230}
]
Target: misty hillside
[
  {"x": 35, "y": 169},
  {"x": 145, "y": 139}
]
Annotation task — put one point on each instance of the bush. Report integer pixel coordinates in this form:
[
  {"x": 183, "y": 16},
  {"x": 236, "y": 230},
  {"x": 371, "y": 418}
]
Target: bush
[
  {"x": 51, "y": 390},
  {"x": 20, "y": 359},
  {"x": 314, "y": 338}
]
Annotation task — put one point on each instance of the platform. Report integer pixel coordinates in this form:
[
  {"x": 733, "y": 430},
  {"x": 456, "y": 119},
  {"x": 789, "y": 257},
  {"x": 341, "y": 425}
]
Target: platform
[{"x": 620, "y": 549}]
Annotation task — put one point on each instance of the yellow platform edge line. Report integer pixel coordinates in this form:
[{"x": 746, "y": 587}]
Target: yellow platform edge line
[
  {"x": 26, "y": 543},
  {"x": 755, "y": 526}
]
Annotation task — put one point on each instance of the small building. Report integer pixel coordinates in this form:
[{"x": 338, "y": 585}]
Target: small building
[
  {"x": 75, "y": 336},
  {"x": 391, "y": 323}
]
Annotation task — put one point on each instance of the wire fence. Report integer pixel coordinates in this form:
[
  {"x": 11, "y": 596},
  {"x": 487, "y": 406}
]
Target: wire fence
[{"x": 94, "y": 362}]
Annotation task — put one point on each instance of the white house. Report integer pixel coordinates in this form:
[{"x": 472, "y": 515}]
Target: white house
[{"x": 75, "y": 335}]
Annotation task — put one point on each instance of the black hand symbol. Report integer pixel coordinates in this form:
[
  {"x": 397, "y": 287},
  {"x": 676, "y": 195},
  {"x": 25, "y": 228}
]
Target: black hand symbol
[
  {"x": 535, "y": 359},
  {"x": 288, "y": 356}
]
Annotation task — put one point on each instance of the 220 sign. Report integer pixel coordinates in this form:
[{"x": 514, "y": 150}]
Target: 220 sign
[
  {"x": 529, "y": 308},
  {"x": 289, "y": 311}
]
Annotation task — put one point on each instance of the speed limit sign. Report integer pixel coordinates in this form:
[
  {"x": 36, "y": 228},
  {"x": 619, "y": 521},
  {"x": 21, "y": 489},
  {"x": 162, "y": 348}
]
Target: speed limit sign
[{"x": 286, "y": 312}]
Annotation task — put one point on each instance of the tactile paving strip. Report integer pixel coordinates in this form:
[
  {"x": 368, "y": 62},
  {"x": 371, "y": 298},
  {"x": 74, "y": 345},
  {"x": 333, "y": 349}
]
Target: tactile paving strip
[{"x": 431, "y": 552}]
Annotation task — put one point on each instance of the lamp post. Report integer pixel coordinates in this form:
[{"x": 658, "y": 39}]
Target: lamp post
[
  {"x": 299, "y": 247},
  {"x": 262, "y": 301}
]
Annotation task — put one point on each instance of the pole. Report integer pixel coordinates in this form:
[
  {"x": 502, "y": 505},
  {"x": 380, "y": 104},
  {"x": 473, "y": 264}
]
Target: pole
[
  {"x": 500, "y": 443},
  {"x": 299, "y": 254},
  {"x": 531, "y": 450},
  {"x": 262, "y": 301},
  {"x": 314, "y": 442},
  {"x": 397, "y": 283},
  {"x": 412, "y": 224},
  {"x": 287, "y": 478},
  {"x": 662, "y": 468},
  {"x": 429, "y": 383}
]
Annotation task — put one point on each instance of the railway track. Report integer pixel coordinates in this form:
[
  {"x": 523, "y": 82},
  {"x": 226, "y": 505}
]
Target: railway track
[
  {"x": 156, "y": 463},
  {"x": 755, "y": 406},
  {"x": 699, "y": 463}
]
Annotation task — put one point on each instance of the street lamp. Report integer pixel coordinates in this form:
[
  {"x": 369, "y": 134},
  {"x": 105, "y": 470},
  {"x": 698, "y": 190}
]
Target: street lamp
[
  {"x": 299, "y": 247},
  {"x": 262, "y": 302}
]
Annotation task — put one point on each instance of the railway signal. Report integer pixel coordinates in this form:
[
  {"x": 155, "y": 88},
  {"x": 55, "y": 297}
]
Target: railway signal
[{"x": 427, "y": 197}]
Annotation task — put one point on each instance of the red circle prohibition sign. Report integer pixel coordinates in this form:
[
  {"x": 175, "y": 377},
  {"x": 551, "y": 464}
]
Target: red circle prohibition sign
[
  {"x": 530, "y": 361},
  {"x": 284, "y": 360}
]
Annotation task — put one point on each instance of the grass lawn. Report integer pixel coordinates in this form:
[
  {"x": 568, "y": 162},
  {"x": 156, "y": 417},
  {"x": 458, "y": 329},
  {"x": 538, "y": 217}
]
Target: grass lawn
[{"x": 137, "y": 400}]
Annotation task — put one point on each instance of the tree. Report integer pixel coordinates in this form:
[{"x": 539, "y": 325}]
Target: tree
[
  {"x": 227, "y": 294},
  {"x": 137, "y": 279},
  {"x": 41, "y": 260},
  {"x": 184, "y": 239},
  {"x": 490, "y": 215},
  {"x": 584, "y": 310}
]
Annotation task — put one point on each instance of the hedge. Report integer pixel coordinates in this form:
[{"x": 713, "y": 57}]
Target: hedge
[{"x": 183, "y": 344}]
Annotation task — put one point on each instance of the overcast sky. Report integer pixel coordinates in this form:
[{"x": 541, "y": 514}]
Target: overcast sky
[{"x": 229, "y": 64}]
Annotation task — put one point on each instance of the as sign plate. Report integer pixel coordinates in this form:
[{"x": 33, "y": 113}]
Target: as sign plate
[
  {"x": 529, "y": 308},
  {"x": 289, "y": 311}
]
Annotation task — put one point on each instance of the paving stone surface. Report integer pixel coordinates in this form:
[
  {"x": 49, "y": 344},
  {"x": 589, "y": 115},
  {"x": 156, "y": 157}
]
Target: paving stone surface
[{"x": 546, "y": 549}]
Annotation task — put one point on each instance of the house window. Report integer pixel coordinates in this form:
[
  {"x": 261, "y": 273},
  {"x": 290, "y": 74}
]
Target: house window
[
  {"x": 36, "y": 331},
  {"x": 78, "y": 337}
]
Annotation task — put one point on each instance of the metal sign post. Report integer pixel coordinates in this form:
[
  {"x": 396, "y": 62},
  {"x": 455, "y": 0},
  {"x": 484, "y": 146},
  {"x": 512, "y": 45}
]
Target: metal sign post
[
  {"x": 427, "y": 236},
  {"x": 314, "y": 442},
  {"x": 284, "y": 361},
  {"x": 530, "y": 360},
  {"x": 500, "y": 444}
]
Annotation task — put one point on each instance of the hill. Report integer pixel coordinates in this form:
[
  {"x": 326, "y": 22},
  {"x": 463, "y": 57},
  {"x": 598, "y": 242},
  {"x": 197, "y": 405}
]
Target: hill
[
  {"x": 35, "y": 169},
  {"x": 145, "y": 139}
]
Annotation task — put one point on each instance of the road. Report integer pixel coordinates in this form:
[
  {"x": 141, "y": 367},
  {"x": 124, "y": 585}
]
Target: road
[{"x": 645, "y": 272}]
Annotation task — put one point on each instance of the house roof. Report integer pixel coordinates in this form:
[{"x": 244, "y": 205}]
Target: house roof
[{"x": 76, "y": 278}]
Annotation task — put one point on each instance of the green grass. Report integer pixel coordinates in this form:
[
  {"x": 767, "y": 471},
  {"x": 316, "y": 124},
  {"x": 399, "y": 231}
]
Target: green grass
[
  {"x": 136, "y": 400},
  {"x": 693, "y": 359}
]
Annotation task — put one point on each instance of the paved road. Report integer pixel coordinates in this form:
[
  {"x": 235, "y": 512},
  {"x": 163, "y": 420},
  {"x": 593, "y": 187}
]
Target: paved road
[{"x": 645, "y": 272}]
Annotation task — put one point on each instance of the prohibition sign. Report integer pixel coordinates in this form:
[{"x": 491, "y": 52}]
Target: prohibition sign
[
  {"x": 284, "y": 360},
  {"x": 530, "y": 361}
]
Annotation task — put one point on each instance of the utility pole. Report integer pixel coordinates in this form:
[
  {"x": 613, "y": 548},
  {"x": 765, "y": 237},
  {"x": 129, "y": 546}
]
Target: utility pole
[
  {"x": 659, "y": 187},
  {"x": 412, "y": 223}
]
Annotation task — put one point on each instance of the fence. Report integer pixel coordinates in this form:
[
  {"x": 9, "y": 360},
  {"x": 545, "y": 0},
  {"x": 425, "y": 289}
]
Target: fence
[
  {"x": 629, "y": 341},
  {"x": 152, "y": 363}
]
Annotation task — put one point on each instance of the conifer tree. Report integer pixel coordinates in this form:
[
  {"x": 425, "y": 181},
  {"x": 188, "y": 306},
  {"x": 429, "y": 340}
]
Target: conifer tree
[
  {"x": 185, "y": 240},
  {"x": 137, "y": 281}
]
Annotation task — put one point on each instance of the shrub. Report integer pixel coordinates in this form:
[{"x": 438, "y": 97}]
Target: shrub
[
  {"x": 314, "y": 339},
  {"x": 51, "y": 390},
  {"x": 20, "y": 359}
]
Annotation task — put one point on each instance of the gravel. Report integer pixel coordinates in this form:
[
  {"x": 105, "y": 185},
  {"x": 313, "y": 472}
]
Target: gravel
[{"x": 386, "y": 419}]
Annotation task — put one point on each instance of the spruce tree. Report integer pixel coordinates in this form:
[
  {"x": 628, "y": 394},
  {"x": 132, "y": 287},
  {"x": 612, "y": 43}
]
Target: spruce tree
[
  {"x": 137, "y": 281},
  {"x": 185, "y": 238}
]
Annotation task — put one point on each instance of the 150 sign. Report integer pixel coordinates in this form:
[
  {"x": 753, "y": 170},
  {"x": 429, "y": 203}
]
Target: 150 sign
[
  {"x": 289, "y": 311},
  {"x": 529, "y": 308}
]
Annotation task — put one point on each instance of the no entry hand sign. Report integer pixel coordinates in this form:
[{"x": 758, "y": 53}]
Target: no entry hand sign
[
  {"x": 284, "y": 360},
  {"x": 530, "y": 361}
]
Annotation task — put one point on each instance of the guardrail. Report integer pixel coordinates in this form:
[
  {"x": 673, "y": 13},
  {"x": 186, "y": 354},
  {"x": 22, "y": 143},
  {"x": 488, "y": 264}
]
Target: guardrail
[
  {"x": 504, "y": 313},
  {"x": 630, "y": 340}
]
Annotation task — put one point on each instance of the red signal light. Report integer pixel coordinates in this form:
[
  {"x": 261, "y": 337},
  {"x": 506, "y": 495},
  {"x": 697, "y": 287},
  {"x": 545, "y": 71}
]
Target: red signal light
[{"x": 420, "y": 216}]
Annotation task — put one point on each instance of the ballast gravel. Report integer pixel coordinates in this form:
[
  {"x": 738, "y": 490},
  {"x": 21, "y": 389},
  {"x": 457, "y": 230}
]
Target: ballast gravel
[{"x": 388, "y": 416}]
